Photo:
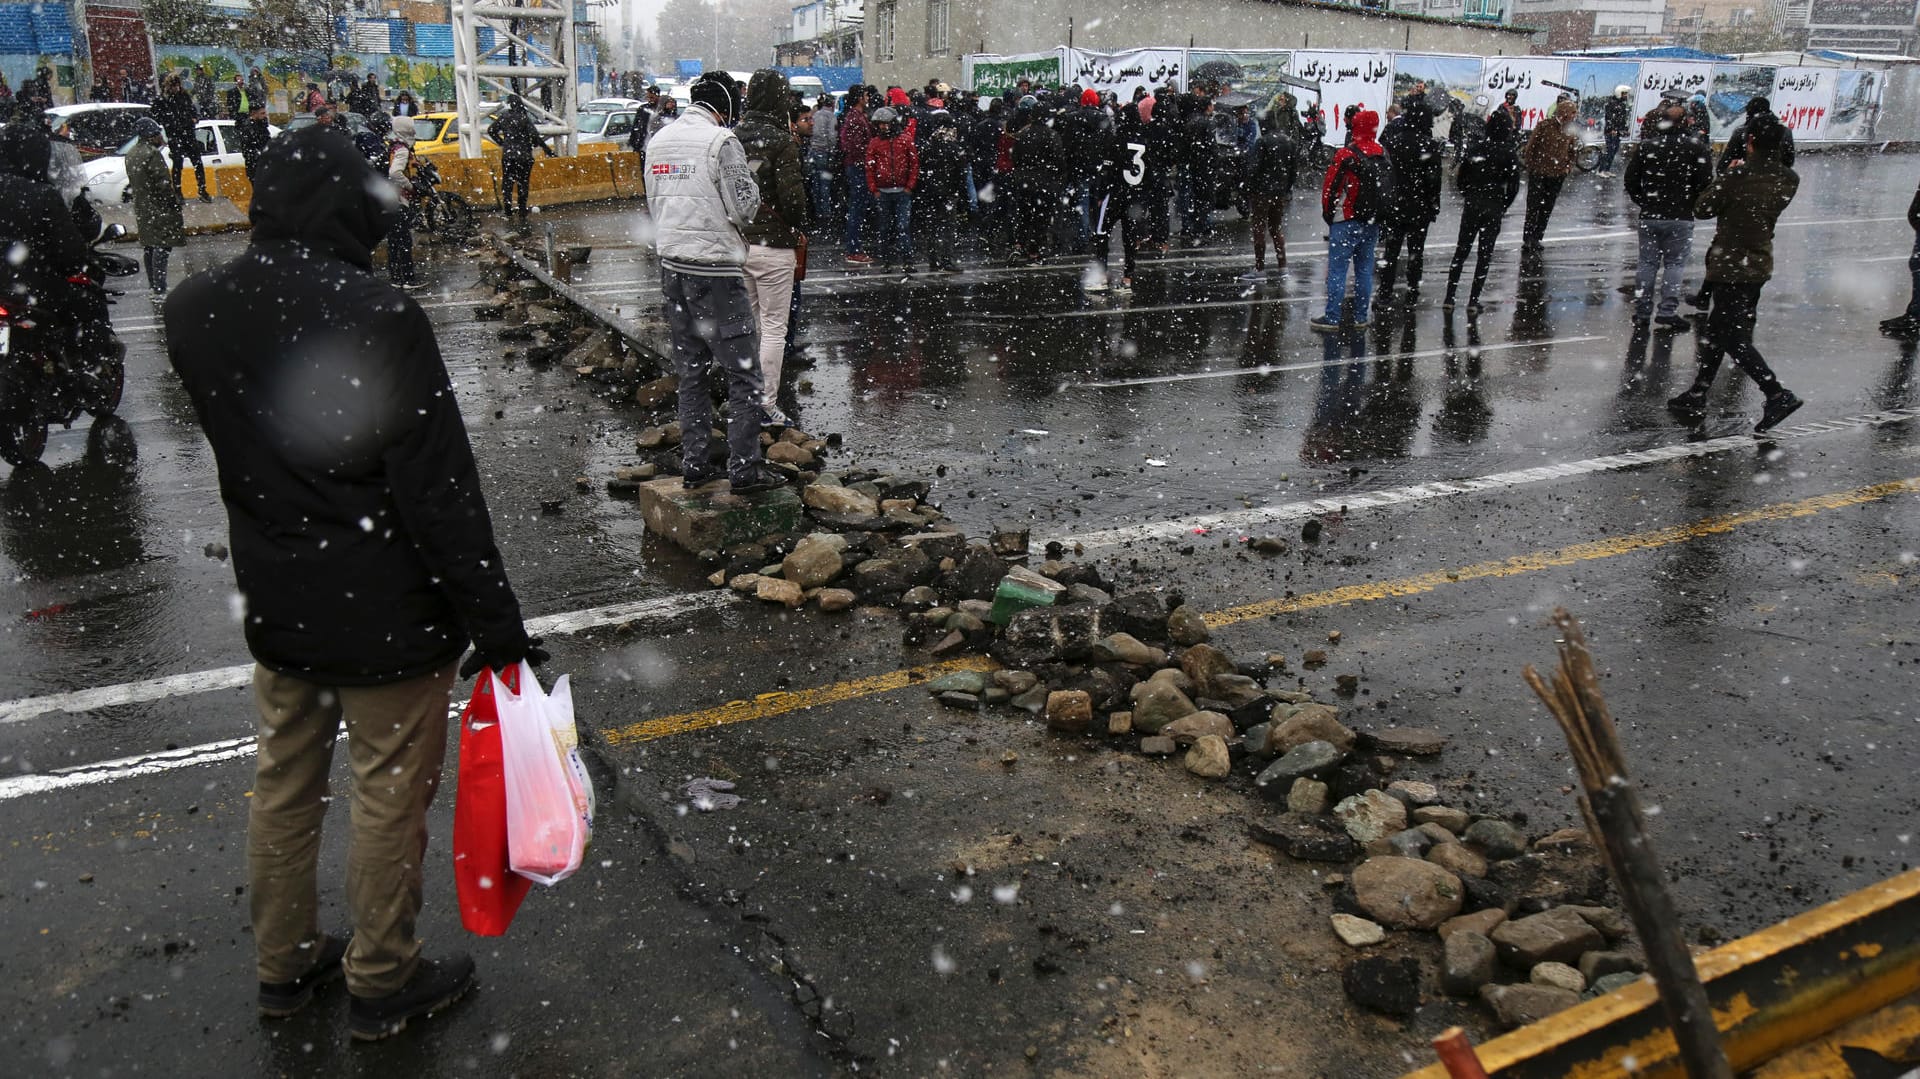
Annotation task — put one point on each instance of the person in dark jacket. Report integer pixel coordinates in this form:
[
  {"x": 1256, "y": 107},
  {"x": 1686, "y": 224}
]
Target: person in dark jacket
[
  {"x": 364, "y": 98},
  {"x": 1906, "y": 325},
  {"x": 1663, "y": 180},
  {"x": 775, "y": 234},
  {"x": 1616, "y": 120},
  {"x": 1161, "y": 115},
  {"x": 1270, "y": 184},
  {"x": 1737, "y": 139},
  {"x": 254, "y": 134},
  {"x": 175, "y": 112},
  {"x": 156, "y": 202},
  {"x": 36, "y": 223},
  {"x": 365, "y": 561},
  {"x": 371, "y": 141},
  {"x": 1039, "y": 179},
  {"x": 1748, "y": 200},
  {"x": 1415, "y": 159},
  {"x": 1197, "y": 170},
  {"x": 855, "y": 133},
  {"x": 893, "y": 171},
  {"x": 940, "y": 199},
  {"x": 1118, "y": 182},
  {"x": 516, "y": 134},
  {"x": 1489, "y": 180}
]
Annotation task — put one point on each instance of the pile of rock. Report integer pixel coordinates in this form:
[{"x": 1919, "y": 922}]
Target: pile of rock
[{"x": 543, "y": 328}]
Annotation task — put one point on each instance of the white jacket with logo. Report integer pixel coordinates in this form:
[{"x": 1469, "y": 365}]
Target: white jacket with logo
[{"x": 699, "y": 193}]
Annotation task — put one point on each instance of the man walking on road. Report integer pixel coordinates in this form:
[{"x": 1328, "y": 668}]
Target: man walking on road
[
  {"x": 1489, "y": 181},
  {"x": 1748, "y": 200},
  {"x": 1663, "y": 180},
  {"x": 1549, "y": 158},
  {"x": 514, "y": 132},
  {"x": 701, "y": 194},
  {"x": 1351, "y": 200},
  {"x": 1616, "y": 119},
  {"x": 365, "y": 561}
]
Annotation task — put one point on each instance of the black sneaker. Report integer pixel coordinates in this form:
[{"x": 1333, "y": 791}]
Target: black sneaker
[
  {"x": 281, "y": 999},
  {"x": 1689, "y": 408},
  {"x": 1673, "y": 324},
  {"x": 762, "y": 479},
  {"x": 692, "y": 480},
  {"x": 1779, "y": 407},
  {"x": 434, "y": 987},
  {"x": 1695, "y": 299}
]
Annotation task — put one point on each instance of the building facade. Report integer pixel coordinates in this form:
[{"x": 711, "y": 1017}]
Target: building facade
[
  {"x": 907, "y": 42},
  {"x": 1582, "y": 24}
]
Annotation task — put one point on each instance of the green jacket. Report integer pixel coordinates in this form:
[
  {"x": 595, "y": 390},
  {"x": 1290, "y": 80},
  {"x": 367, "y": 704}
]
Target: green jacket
[
  {"x": 156, "y": 202},
  {"x": 774, "y": 157},
  {"x": 1747, "y": 199}
]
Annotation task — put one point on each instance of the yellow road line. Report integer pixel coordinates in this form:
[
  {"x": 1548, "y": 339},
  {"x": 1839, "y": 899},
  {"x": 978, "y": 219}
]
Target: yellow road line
[
  {"x": 1564, "y": 556},
  {"x": 774, "y": 704}
]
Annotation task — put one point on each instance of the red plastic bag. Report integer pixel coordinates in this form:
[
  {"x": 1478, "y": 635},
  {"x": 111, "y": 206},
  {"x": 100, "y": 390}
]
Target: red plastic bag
[{"x": 489, "y": 892}]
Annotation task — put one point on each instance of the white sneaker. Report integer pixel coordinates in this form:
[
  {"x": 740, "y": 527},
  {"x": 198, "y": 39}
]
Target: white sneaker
[{"x": 772, "y": 418}]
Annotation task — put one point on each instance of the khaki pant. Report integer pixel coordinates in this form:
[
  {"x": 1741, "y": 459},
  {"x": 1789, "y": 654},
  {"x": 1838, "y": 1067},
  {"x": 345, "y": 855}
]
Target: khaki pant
[
  {"x": 396, "y": 740},
  {"x": 770, "y": 287}
]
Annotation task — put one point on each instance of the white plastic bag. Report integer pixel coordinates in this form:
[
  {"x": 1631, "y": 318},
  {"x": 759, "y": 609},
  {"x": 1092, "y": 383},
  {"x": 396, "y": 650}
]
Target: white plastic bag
[{"x": 549, "y": 798}]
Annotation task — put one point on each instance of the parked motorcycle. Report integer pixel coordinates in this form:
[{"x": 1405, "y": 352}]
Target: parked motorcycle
[{"x": 51, "y": 372}]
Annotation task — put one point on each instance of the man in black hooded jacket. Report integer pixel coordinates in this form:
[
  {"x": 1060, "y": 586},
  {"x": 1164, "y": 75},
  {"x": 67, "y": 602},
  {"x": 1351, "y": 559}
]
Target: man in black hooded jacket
[
  {"x": 36, "y": 223},
  {"x": 365, "y": 560}
]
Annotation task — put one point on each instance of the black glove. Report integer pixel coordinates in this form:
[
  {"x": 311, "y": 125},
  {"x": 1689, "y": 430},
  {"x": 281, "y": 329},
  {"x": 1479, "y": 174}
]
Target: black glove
[{"x": 501, "y": 658}]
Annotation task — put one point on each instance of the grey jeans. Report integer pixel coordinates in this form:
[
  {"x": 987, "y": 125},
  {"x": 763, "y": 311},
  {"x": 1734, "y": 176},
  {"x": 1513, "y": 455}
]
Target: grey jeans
[
  {"x": 1662, "y": 244},
  {"x": 712, "y": 325}
]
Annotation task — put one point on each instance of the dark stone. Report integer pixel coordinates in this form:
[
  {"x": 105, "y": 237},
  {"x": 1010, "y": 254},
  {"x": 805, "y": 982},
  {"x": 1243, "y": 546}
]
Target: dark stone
[
  {"x": 1483, "y": 894},
  {"x": 956, "y": 699},
  {"x": 1307, "y": 837},
  {"x": 1309, "y": 759},
  {"x": 938, "y": 545},
  {"x": 1407, "y": 741},
  {"x": 977, "y": 575},
  {"x": 881, "y": 579},
  {"x": 1382, "y": 984},
  {"x": 1141, "y": 613},
  {"x": 1353, "y": 777}
]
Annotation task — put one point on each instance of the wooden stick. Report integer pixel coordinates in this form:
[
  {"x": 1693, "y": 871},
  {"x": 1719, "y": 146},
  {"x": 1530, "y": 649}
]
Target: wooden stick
[
  {"x": 1611, "y": 806},
  {"x": 1457, "y": 1055}
]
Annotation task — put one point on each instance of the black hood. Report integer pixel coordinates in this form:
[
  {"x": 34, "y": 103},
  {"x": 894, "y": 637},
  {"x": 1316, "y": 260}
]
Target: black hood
[
  {"x": 25, "y": 151},
  {"x": 316, "y": 190}
]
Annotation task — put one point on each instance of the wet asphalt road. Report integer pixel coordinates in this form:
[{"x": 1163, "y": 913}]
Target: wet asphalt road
[{"x": 1762, "y": 669}]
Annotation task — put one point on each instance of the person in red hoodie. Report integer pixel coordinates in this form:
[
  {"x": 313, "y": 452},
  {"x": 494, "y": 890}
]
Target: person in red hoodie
[
  {"x": 893, "y": 171},
  {"x": 1351, "y": 198}
]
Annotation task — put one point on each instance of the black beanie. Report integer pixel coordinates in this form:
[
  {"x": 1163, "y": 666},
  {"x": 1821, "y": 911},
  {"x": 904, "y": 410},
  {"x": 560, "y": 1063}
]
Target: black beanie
[{"x": 716, "y": 91}]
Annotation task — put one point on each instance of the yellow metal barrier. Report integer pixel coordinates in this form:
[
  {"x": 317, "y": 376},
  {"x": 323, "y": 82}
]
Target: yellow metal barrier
[
  {"x": 629, "y": 179},
  {"x": 559, "y": 180}
]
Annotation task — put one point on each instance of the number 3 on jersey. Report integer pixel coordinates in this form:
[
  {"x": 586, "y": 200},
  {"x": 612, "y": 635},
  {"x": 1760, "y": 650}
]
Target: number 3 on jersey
[{"x": 1138, "y": 170}]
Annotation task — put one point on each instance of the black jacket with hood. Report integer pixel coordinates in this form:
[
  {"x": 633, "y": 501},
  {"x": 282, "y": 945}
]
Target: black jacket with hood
[
  {"x": 361, "y": 542},
  {"x": 774, "y": 157},
  {"x": 1667, "y": 174},
  {"x": 34, "y": 217}
]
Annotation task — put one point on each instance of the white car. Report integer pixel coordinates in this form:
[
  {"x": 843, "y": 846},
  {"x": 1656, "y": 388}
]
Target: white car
[
  {"x": 611, "y": 104},
  {"x": 219, "y": 145},
  {"x": 97, "y": 127},
  {"x": 606, "y": 126}
]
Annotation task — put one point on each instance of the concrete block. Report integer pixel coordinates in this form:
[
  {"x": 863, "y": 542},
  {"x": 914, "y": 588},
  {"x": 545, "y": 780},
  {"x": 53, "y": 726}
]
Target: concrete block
[{"x": 712, "y": 518}]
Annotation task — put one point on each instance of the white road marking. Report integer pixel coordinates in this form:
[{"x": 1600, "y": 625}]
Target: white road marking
[
  {"x": 1244, "y": 520},
  {"x": 181, "y": 685},
  {"x": 1344, "y": 361},
  {"x": 1112, "y": 312},
  {"x": 233, "y": 748}
]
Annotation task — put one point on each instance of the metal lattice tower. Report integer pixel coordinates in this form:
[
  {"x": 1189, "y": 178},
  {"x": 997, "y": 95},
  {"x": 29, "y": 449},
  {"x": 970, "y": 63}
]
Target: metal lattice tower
[{"x": 532, "y": 48}]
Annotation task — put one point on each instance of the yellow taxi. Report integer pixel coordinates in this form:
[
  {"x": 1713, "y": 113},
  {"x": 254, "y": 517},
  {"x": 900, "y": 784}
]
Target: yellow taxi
[{"x": 439, "y": 133}]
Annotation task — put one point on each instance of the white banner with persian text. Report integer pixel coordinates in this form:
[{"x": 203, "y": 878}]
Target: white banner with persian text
[{"x": 1346, "y": 79}]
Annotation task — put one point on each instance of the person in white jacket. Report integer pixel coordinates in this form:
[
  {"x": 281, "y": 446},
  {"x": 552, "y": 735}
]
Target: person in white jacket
[{"x": 700, "y": 193}]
